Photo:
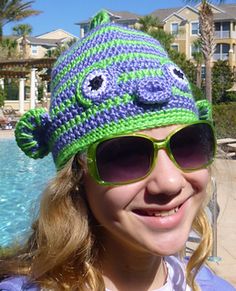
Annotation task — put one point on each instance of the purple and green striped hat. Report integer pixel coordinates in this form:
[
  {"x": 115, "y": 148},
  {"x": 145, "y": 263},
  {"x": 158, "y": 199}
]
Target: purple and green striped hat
[{"x": 116, "y": 80}]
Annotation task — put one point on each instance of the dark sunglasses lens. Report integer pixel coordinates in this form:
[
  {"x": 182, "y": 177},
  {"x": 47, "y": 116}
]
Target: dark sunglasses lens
[
  {"x": 123, "y": 159},
  {"x": 193, "y": 146}
]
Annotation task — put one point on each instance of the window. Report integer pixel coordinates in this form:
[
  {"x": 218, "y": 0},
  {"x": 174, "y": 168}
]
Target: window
[
  {"x": 34, "y": 49},
  {"x": 174, "y": 28},
  {"x": 86, "y": 28},
  {"x": 175, "y": 47},
  {"x": 222, "y": 29},
  {"x": 221, "y": 51},
  {"x": 195, "y": 28},
  {"x": 194, "y": 49}
]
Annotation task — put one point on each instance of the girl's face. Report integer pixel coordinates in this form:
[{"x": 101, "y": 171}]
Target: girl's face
[{"x": 153, "y": 215}]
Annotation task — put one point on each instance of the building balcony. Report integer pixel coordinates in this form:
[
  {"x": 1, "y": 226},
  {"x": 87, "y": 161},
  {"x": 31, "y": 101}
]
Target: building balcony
[
  {"x": 219, "y": 34},
  {"x": 222, "y": 57}
]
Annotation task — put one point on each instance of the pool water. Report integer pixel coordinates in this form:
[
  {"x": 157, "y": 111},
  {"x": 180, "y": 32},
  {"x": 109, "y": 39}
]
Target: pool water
[{"x": 22, "y": 180}]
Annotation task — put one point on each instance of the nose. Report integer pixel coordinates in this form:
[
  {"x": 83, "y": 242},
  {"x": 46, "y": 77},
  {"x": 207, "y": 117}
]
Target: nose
[{"x": 165, "y": 178}]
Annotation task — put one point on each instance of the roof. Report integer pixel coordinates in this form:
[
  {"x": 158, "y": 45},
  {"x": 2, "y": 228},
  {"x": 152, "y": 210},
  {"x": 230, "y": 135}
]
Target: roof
[
  {"x": 116, "y": 15},
  {"x": 44, "y": 41},
  {"x": 162, "y": 14},
  {"x": 56, "y": 30},
  {"x": 228, "y": 12},
  {"x": 124, "y": 14}
]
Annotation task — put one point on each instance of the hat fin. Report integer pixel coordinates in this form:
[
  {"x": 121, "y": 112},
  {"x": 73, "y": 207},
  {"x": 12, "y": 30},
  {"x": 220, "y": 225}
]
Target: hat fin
[
  {"x": 204, "y": 110},
  {"x": 100, "y": 18}
]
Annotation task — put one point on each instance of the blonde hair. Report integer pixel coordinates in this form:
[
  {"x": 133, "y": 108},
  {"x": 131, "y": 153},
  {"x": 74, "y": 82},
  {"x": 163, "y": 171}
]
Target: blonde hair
[{"x": 63, "y": 251}]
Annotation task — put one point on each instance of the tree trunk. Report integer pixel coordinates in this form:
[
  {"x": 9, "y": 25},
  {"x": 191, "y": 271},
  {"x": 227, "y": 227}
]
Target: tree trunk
[
  {"x": 24, "y": 44},
  {"x": 199, "y": 76},
  {"x": 207, "y": 42},
  {"x": 1, "y": 32},
  {"x": 208, "y": 80}
]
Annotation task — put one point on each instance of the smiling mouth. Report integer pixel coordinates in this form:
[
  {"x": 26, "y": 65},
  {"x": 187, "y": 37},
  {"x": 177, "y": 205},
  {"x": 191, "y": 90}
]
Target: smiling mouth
[{"x": 157, "y": 213}]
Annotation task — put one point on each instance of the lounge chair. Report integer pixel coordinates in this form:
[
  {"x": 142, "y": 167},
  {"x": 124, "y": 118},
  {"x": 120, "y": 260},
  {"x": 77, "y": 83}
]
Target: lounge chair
[{"x": 5, "y": 121}]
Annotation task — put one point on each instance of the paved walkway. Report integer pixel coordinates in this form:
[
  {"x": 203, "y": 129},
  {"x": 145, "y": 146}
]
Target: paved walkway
[{"x": 225, "y": 173}]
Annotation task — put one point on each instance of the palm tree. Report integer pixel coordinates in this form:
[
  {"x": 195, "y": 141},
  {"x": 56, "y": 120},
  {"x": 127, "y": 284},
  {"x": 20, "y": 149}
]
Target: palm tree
[
  {"x": 198, "y": 58},
  {"x": 23, "y": 30},
  {"x": 151, "y": 25},
  {"x": 206, "y": 24},
  {"x": 15, "y": 10},
  {"x": 61, "y": 47},
  {"x": 9, "y": 46}
]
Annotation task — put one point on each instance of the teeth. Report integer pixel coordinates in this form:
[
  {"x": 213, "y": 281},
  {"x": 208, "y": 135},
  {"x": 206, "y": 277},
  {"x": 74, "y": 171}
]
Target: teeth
[{"x": 163, "y": 213}]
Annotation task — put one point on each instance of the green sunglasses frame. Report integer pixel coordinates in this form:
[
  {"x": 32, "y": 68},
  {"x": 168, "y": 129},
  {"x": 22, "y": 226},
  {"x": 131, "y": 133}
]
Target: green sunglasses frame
[{"x": 158, "y": 144}]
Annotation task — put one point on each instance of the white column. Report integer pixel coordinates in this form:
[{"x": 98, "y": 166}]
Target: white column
[
  {"x": 21, "y": 95},
  {"x": 2, "y": 83},
  {"x": 32, "y": 88}
]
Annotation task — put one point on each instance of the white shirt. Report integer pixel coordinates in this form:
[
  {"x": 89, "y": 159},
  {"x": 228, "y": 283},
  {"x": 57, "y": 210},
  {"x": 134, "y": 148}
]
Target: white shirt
[{"x": 176, "y": 280}]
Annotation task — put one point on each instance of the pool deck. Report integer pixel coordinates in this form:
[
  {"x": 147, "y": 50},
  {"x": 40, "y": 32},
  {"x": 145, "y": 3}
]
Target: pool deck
[
  {"x": 225, "y": 172},
  {"x": 6, "y": 133}
]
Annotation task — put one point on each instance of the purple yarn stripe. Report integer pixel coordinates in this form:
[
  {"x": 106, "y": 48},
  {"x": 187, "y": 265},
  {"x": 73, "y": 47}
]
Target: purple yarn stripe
[
  {"x": 110, "y": 52},
  {"x": 137, "y": 64},
  {"x": 102, "y": 39},
  {"x": 116, "y": 114}
]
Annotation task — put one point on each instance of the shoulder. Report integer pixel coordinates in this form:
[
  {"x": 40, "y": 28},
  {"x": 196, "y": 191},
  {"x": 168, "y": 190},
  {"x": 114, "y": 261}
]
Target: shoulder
[
  {"x": 210, "y": 281},
  {"x": 17, "y": 283},
  {"x": 206, "y": 278}
]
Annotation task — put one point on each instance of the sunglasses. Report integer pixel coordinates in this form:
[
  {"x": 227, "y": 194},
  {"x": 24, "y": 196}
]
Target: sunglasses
[{"x": 125, "y": 159}]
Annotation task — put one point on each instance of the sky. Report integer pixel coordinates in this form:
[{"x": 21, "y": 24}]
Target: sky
[{"x": 64, "y": 14}]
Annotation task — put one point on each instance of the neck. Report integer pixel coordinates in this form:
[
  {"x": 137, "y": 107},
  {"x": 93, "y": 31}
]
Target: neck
[{"x": 127, "y": 269}]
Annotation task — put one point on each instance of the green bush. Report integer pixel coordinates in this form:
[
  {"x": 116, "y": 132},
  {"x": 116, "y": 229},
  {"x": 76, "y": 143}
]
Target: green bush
[
  {"x": 12, "y": 90},
  {"x": 198, "y": 93},
  {"x": 2, "y": 96},
  {"x": 224, "y": 116}
]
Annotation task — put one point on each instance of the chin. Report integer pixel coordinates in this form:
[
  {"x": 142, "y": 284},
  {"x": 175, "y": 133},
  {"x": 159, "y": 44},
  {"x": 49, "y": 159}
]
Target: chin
[{"x": 170, "y": 243}]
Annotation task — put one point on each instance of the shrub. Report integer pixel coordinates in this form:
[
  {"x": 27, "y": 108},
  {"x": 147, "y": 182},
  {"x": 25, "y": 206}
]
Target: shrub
[
  {"x": 224, "y": 116},
  {"x": 2, "y": 96}
]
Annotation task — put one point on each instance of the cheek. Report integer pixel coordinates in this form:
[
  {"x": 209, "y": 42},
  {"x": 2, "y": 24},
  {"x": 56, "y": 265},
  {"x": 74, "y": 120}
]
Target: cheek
[
  {"x": 199, "y": 181},
  {"x": 106, "y": 203}
]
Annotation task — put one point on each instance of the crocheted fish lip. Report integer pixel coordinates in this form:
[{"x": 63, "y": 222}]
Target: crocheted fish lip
[{"x": 152, "y": 91}]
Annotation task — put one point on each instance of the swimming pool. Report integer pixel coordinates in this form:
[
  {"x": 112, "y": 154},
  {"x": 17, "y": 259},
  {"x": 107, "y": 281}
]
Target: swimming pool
[{"x": 21, "y": 181}]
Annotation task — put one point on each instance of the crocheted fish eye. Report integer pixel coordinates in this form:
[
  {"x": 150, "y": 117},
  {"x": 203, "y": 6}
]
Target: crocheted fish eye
[
  {"x": 97, "y": 86},
  {"x": 176, "y": 76}
]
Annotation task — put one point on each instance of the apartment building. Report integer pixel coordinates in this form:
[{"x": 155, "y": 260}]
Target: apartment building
[
  {"x": 183, "y": 23},
  {"x": 122, "y": 17},
  {"x": 38, "y": 46}
]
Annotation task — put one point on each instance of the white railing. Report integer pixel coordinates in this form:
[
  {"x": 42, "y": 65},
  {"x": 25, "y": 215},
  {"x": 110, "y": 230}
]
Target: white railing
[
  {"x": 222, "y": 57},
  {"x": 222, "y": 34}
]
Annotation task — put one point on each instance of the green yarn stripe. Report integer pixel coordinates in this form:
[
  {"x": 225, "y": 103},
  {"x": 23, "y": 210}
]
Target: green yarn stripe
[
  {"x": 97, "y": 33},
  {"x": 139, "y": 74},
  {"x": 79, "y": 119},
  {"x": 111, "y": 61},
  {"x": 125, "y": 77},
  {"x": 95, "y": 50},
  {"x": 178, "y": 92},
  {"x": 128, "y": 125}
]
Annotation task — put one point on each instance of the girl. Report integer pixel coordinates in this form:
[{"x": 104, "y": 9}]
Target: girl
[{"x": 133, "y": 150}]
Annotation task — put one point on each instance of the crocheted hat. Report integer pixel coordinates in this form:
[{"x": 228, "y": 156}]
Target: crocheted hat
[{"x": 115, "y": 80}]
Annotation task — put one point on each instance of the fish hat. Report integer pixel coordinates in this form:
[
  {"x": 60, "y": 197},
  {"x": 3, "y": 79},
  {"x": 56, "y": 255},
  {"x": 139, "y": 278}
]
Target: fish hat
[{"x": 115, "y": 80}]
